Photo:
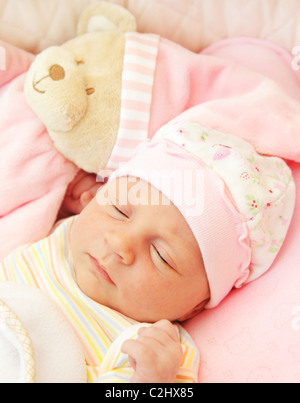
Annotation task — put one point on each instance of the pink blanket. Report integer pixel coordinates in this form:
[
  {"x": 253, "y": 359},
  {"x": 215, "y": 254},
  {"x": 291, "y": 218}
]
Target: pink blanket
[
  {"x": 246, "y": 87},
  {"x": 33, "y": 175}
]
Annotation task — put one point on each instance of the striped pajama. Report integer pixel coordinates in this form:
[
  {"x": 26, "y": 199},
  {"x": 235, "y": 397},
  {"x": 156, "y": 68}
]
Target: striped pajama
[{"x": 46, "y": 265}]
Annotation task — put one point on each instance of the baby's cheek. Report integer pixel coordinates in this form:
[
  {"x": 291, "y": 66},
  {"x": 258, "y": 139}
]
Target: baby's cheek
[{"x": 140, "y": 292}]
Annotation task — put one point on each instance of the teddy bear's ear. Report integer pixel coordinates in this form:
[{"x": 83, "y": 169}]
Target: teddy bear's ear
[{"x": 104, "y": 16}]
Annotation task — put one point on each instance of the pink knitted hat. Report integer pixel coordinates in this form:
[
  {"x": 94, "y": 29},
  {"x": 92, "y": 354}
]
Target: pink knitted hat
[{"x": 237, "y": 203}]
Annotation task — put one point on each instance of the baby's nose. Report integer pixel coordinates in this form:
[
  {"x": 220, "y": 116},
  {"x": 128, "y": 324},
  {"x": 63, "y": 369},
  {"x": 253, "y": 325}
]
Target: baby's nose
[
  {"x": 121, "y": 245},
  {"x": 57, "y": 72},
  {"x": 126, "y": 257}
]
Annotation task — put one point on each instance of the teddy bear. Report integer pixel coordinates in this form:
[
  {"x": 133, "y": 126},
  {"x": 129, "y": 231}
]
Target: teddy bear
[
  {"x": 34, "y": 175},
  {"x": 110, "y": 88},
  {"x": 75, "y": 88}
]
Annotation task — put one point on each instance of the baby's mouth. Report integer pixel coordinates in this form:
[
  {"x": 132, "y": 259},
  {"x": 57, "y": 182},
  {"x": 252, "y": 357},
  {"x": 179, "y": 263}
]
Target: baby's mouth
[{"x": 101, "y": 270}]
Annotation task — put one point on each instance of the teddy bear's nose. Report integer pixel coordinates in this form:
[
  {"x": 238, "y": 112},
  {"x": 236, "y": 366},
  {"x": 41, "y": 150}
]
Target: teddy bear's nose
[{"x": 57, "y": 72}]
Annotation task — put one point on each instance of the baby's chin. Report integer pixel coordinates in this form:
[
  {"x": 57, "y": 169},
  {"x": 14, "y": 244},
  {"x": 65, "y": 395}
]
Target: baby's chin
[{"x": 146, "y": 316}]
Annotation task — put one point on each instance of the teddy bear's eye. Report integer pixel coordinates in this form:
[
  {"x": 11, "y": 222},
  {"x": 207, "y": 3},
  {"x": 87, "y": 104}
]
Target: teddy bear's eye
[
  {"x": 90, "y": 91},
  {"x": 78, "y": 62}
]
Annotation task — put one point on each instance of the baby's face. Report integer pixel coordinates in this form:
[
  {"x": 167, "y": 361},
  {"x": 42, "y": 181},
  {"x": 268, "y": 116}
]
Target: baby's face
[{"x": 136, "y": 255}]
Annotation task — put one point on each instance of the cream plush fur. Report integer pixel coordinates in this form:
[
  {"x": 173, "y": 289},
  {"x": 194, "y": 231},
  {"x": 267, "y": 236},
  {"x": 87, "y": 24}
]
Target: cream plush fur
[{"x": 75, "y": 88}]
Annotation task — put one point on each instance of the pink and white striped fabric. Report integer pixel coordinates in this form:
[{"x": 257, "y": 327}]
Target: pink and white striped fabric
[
  {"x": 137, "y": 86},
  {"x": 162, "y": 80}
]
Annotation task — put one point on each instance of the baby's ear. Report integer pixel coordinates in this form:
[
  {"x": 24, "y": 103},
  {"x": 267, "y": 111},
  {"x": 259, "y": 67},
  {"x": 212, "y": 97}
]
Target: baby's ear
[
  {"x": 198, "y": 309},
  {"x": 86, "y": 198},
  {"x": 104, "y": 16}
]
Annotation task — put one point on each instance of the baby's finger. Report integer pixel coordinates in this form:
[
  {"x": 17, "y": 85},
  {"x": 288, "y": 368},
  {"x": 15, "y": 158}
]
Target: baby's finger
[
  {"x": 138, "y": 351},
  {"x": 141, "y": 330},
  {"x": 169, "y": 328},
  {"x": 157, "y": 335}
]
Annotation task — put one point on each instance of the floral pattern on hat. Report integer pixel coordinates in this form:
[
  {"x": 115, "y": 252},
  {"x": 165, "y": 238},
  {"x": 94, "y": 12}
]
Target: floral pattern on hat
[{"x": 261, "y": 187}]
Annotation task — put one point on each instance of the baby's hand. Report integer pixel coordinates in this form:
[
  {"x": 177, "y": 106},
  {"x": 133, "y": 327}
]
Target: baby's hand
[
  {"x": 156, "y": 355},
  {"x": 83, "y": 188}
]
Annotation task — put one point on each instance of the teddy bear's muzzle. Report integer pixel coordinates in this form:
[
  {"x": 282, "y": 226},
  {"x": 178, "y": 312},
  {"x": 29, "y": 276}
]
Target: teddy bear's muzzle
[
  {"x": 57, "y": 90},
  {"x": 59, "y": 97},
  {"x": 56, "y": 73}
]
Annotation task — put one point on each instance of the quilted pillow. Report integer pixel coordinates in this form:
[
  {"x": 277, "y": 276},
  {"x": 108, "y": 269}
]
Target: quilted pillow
[{"x": 38, "y": 24}]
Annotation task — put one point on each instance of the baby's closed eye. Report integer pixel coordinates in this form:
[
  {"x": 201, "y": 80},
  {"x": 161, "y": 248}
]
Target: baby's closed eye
[
  {"x": 161, "y": 256},
  {"x": 121, "y": 212}
]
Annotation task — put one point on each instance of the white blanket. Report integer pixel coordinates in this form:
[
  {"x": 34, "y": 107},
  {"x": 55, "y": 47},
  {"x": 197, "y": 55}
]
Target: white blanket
[{"x": 36, "y": 342}]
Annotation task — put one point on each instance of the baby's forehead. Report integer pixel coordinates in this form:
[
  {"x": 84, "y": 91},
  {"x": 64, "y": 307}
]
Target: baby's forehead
[{"x": 137, "y": 192}]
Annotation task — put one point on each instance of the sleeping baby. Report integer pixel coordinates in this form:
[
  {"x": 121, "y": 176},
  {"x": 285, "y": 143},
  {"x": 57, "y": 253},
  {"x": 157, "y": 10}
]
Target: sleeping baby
[{"x": 194, "y": 214}]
